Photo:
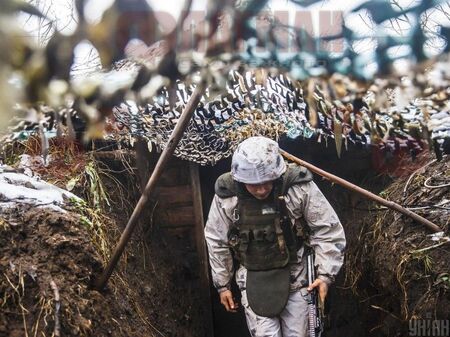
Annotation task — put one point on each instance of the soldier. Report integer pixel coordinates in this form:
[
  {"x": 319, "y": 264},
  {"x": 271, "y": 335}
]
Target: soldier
[{"x": 256, "y": 214}]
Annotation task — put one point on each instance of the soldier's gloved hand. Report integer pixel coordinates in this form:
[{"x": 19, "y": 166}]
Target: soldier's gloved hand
[
  {"x": 226, "y": 298},
  {"x": 322, "y": 288}
]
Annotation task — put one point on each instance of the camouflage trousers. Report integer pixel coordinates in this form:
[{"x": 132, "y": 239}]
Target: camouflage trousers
[{"x": 292, "y": 322}]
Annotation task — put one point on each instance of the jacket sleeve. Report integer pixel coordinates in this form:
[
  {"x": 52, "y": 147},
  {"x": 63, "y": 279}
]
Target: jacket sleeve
[
  {"x": 327, "y": 236},
  {"x": 216, "y": 231}
]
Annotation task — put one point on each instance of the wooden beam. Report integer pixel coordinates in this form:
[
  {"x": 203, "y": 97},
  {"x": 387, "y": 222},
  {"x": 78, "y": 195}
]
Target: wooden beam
[
  {"x": 142, "y": 161},
  {"x": 169, "y": 195},
  {"x": 354, "y": 188},
  {"x": 172, "y": 143},
  {"x": 201, "y": 247},
  {"x": 175, "y": 216}
]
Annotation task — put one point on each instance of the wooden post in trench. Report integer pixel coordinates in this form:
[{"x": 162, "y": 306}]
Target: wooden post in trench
[
  {"x": 177, "y": 133},
  {"x": 365, "y": 193},
  {"x": 201, "y": 246}
]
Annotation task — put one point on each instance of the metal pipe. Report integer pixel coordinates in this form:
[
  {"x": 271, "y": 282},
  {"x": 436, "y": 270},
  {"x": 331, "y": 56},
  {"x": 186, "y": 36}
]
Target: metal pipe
[
  {"x": 365, "y": 193},
  {"x": 175, "y": 137}
]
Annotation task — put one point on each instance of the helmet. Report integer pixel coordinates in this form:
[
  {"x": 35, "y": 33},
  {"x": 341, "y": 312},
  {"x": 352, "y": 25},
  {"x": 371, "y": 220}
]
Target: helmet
[{"x": 257, "y": 160}]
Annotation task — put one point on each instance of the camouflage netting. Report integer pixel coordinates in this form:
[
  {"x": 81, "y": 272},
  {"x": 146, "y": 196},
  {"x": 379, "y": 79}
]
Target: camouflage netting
[
  {"x": 258, "y": 103},
  {"x": 293, "y": 94},
  {"x": 269, "y": 106}
]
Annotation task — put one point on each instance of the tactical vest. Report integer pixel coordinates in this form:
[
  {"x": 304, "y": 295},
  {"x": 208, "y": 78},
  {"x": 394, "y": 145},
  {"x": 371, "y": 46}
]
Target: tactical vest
[{"x": 261, "y": 235}]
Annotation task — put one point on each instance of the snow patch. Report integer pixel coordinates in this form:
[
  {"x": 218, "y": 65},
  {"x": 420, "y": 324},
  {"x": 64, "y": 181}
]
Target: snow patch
[{"x": 18, "y": 188}]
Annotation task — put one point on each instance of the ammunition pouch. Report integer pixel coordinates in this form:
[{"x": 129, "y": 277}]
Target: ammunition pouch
[
  {"x": 263, "y": 240},
  {"x": 268, "y": 290},
  {"x": 261, "y": 236}
]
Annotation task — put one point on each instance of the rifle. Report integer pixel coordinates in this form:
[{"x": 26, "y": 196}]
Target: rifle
[{"x": 315, "y": 317}]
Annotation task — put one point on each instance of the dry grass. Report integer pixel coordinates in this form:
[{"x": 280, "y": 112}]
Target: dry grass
[
  {"x": 103, "y": 193},
  {"x": 4, "y": 225},
  {"x": 410, "y": 262},
  {"x": 16, "y": 296},
  {"x": 69, "y": 167}
]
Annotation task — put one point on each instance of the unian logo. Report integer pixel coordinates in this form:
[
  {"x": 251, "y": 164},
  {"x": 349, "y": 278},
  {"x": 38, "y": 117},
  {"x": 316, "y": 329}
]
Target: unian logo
[
  {"x": 292, "y": 26},
  {"x": 429, "y": 327}
]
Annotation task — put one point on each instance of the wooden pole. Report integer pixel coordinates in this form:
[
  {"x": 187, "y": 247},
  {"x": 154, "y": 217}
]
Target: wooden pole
[
  {"x": 175, "y": 137},
  {"x": 142, "y": 162},
  {"x": 201, "y": 247},
  {"x": 365, "y": 193}
]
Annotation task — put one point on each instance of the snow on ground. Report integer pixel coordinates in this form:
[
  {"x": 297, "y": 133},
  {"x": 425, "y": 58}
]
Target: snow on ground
[{"x": 18, "y": 188}]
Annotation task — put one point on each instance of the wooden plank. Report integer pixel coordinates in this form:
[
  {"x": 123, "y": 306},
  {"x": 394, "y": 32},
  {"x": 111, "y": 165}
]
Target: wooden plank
[
  {"x": 175, "y": 172},
  {"x": 201, "y": 247},
  {"x": 184, "y": 233},
  {"x": 142, "y": 163},
  {"x": 174, "y": 216},
  {"x": 174, "y": 162},
  {"x": 173, "y": 226},
  {"x": 174, "y": 195},
  {"x": 174, "y": 176}
]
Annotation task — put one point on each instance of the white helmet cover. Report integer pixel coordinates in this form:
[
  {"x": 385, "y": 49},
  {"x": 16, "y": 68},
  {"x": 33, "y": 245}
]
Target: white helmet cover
[{"x": 257, "y": 160}]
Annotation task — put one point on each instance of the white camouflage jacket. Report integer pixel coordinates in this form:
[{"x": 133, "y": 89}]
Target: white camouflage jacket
[{"x": 303, "y": 200}]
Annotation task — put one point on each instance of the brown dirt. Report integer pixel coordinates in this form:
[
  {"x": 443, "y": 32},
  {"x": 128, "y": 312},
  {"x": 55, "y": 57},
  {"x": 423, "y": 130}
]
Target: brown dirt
[
  {"x": 44, "y": 246},
  {"x": 153, "y": 293},
  {"x": 392, "y": 265}
]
